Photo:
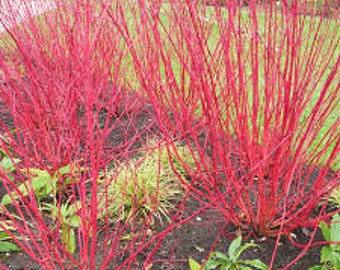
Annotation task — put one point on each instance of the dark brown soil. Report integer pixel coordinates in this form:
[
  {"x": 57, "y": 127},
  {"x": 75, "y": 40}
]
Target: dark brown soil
[{"x": 208, "y": 232}]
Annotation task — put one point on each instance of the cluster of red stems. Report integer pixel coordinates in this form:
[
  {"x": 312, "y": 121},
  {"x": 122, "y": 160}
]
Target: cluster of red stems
[{"x": 247, "y": 89}]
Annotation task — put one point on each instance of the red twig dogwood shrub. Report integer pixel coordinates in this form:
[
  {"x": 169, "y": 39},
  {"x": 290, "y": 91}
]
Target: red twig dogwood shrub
[
  {"x": 68, "y": 114},
  {"x": 249, "y": 92},
  {"x": 254, "y": 91},
  {"x": 50, "y": 77}
]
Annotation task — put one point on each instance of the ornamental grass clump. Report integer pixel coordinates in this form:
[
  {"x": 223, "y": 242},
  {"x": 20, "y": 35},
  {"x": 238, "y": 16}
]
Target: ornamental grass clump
[
  {"x": 254, "y": 91},
  {"x": 144, "y": 186}
]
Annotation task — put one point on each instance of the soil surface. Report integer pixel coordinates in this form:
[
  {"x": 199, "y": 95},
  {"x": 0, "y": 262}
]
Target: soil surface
[{"x": 196, "y": 239}]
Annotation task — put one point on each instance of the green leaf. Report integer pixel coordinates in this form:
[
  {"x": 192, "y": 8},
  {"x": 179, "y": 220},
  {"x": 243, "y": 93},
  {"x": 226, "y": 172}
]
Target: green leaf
[
  {"x": 326, "y": 254},
  {"x": 6, "y": 246},
  {"x": 50, "y": 208},
  {"x": 8, "y": 200},
  {"x": 325, "y": 230},
  {"x": 315, "y": 267},
  {"x": 8, "y": 164},
  {"x": 336, "y": 261},
  {"x": 75, "y": 221},
  {"x": 233, "y": 248},
  {"x": 243, "y": 248},
  {"x": 3, "y": 235},
  {"x": 68, "y": 238},
  {"x": 227, "y": 266},
  {"x": 34, "y": 172},
  {"x": 334, "y": 258},
  {"x": 42, "y": 183},
  {"x": 194, "y": 265},
  {"x": 73, "y": 208},
  {"x": 64, "y": 170},
  {"x": 242, "y": 267},
  {"x": 335, "y": 231},
  {"x": 212, "y": 264},
  {"x": 41, "y": 186},
  {"x": 220, "y": 256},
  {"x": 256, "y": 263}
]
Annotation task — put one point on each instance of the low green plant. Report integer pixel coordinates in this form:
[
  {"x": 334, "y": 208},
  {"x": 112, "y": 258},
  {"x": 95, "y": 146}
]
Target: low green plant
[
  {"x": 7, "y": 163},
  {"x": 5, "y": 239},
  {"x": 232, "y": 261},
  {"x": 146, "y": 185},
  {"x": 68, "y": 219},
  {"x": 330, "y": 255},
  {"x": 41, "y": 182}
]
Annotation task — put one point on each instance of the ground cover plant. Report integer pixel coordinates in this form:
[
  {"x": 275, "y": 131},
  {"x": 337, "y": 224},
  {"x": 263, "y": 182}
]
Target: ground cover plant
[
  {"x": 243, "y": 99},
  {"x": 330, "y": 257},
  {"x": 232, "y": 260}
]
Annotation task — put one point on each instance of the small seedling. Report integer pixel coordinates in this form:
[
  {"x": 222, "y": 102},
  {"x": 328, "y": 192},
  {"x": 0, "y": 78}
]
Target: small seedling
[
  {"x": 330, "y": 255},
  {"x": 232, "y": 261}
]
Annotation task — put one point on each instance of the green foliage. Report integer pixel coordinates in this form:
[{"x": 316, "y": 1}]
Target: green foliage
[
  {"x": 330, "y": 255},
  {"x": 146, "y": 185},
  {"x": 6, "y": 163},
  {"x": 41, "y": 182},
  {"x": 194, "y": 265},
  {"x": 232, "y": 261},
  {"x": 66, "y": 215},
  {"x": 5, "y": 244}
]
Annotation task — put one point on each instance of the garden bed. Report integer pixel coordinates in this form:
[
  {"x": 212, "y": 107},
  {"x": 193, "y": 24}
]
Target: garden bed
[{"x": 144, "y": 135}]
